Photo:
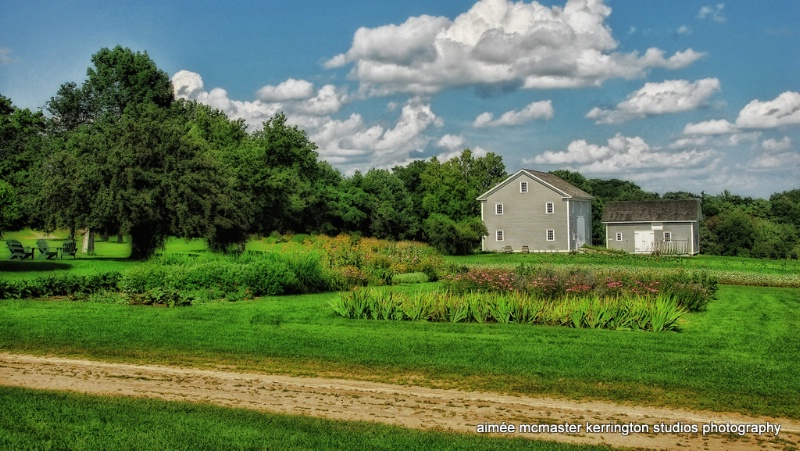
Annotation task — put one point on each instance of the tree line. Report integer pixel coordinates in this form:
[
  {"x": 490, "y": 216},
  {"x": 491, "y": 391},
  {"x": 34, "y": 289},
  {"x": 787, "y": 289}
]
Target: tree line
[{"x": 118, "y": 154}]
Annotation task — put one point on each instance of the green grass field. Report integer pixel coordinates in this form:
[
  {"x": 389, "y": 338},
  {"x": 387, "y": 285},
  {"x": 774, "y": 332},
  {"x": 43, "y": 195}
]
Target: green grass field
[
  {"x": 32, "y": 419},
  {"x": 740, "y": 355}
]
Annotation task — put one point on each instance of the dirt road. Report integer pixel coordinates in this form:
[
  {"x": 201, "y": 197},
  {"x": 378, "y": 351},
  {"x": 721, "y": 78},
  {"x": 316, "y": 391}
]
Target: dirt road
[{"x": 413, "y": 407}]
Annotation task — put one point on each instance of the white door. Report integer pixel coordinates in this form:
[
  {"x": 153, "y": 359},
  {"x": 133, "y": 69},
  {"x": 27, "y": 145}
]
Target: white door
[
  {"x": 643, "y": 241},
  {"x": 581, "y": 235}
]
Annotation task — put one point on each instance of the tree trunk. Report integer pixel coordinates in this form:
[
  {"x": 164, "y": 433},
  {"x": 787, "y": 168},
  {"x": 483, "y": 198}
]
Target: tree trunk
[
  {"x": 119, "y": 237},
  {"x": 88, "y": 242},
  {"x": 106, "y": 234}
]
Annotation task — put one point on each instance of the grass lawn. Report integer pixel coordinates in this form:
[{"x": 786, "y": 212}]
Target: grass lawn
[
  {"x": 740, "y": 355},
  {"x": 51, "y": 420}
]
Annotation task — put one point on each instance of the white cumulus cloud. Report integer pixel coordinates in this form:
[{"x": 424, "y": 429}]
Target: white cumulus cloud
[
  {"x": 290, "y": 89},
  {"x": 622, "y": 155},
  {"x": 451, "y": 142},
  {"x": 349, "y": 143},
  {"x": 499, "y": 44},
  {"x": 532, "y": 112},
  {"x": 712, "y": 127},
  {"x": 671, "y": 96},
  {"x": 783, "y": 110}
]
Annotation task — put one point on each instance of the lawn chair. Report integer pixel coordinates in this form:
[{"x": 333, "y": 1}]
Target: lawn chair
[
  {"x": 69, "y": 247},
  {"x": 526, "y": 250},
  {"x": 18, "y": 250},
  {"x": 45, "y": 250}
]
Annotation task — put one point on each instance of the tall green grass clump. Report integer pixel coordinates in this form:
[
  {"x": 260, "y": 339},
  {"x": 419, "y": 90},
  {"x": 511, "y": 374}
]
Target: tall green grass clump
[{"x": 648, "y": 313}]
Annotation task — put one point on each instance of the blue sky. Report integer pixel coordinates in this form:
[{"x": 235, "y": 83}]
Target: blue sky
[{"x": 674, "y": 95}]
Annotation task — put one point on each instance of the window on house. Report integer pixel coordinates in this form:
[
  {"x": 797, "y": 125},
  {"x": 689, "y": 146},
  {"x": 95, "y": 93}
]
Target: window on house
[
  {"x": 499, "y": 235},
  {"x": 551, "y": 235},
  {"x": 667, "y": 237},
  {"x": 498, "y": 209},
  {"x": 523, "y": 187},
  {"x": 549, "y": 208},
  {"x": 619, "y": 236}
]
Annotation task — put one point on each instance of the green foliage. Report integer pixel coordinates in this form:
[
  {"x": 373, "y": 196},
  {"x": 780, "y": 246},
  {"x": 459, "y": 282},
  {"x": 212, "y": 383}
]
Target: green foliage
[
  {"x": 167, "y": 297},
  {"x": 7, "y": 205},
  {"x": 232, "y": 277},
  {"x": 414, "y": 277},
  {"x": 655, "y": 314},
  {"x": 451, "y": 187},
  {"x": 59, "y": 285},
  {"x": 454, "y": 238},
  {"x": 361, "y": 261},
  {"x": 692, "y": 290}
]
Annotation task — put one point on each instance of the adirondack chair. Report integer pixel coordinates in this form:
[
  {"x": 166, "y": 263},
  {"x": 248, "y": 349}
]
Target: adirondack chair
[
  {"x": 69, "y": 247},
  {"x": 18, "y": 251},
  {"x": 45, "y": 250}
]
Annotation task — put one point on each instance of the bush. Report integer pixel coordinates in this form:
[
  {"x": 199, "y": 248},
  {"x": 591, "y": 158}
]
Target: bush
[{"x": 59, "y": 285}]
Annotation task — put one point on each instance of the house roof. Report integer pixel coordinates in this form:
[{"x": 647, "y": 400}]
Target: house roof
[
  {"x": 652, "y": 211},
  {"x": 551, "y": 181}
]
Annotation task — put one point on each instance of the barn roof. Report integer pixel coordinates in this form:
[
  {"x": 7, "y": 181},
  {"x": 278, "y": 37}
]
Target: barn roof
[
  {"x": 553, "y": 182},
  {"x": 652, "y": 211}
]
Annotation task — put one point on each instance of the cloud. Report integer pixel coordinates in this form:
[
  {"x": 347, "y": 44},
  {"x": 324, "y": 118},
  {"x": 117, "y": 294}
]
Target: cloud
[
  {"x": 532, "y": 112},
  {"x": 621, "y": 155},
  {"x": 352, "y": 144},
  {"x": 712, "y": 12},
  {"x": 294, "y": 97},
  {"x": 713, "y": 127},
  {"x": 290, "y": 89},
  {"x": 349, "y": 143},
  {"x": 498, "y": 43},
  {"x": 781, "y": 111},
  {"x": 777, "y": 155},
  {"x": 683, "y": 29},
  {"x": 451, "y": 142},
  {"x": 773, "y": 145},
  {"x": 5, "y": 56},
  {"x": 671, "y": 96}
]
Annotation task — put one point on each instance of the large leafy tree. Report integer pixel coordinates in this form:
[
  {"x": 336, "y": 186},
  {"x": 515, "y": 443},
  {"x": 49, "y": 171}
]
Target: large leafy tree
[
  {"x": 21, "y": 139},
  {"x": 389, "y": 207},
  {"x": 279, "y": 166},
  {"x": 124, "y": 153},
  {"x": 452, "y": 187}
]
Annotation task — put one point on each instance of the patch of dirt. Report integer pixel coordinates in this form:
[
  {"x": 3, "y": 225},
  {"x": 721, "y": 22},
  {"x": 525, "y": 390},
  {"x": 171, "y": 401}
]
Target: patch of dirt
[{"x": 407, "y": 406}]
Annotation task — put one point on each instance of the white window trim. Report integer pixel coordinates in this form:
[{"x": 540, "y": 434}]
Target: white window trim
[
  {"x": 550, "y": 235},
  {"x": 619, "y": 236},
  {"x": 521, "y": 185},
  {"x": 499, "y": 235},
  {"x": 549, "y": 206},
  {"x": 498, "y": 209},
  {"x": 667, "y": 237}
]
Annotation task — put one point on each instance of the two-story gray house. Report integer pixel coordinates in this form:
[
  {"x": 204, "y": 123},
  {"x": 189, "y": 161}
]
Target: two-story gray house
[
  {"x": 660, "y": 226},
  {"x": 534, "y": 211}
]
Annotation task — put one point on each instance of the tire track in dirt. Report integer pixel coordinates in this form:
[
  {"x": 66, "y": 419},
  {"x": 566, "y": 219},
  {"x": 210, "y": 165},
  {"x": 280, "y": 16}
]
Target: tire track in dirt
[{"x": 407, "y": 406}]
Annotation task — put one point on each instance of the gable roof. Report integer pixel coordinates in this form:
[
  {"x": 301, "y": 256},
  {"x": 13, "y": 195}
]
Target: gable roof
[
  {"x": 652, "y": 211},
  {"x": 549, "y": 180}
]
